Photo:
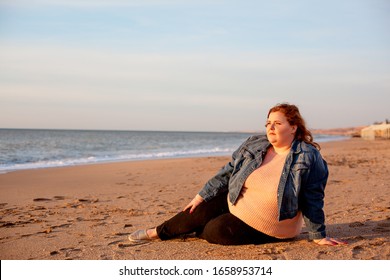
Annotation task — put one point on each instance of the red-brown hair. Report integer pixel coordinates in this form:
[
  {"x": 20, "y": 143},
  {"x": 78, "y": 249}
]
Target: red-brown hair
[{"x": 294, "y": 118}]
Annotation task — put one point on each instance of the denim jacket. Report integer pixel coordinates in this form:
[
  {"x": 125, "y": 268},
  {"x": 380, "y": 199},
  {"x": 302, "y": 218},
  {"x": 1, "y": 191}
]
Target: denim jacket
[{"x": 301, "y": 186}]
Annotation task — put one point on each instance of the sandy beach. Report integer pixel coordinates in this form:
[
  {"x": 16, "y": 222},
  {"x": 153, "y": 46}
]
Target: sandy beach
[{"x": 86, "y": 212}]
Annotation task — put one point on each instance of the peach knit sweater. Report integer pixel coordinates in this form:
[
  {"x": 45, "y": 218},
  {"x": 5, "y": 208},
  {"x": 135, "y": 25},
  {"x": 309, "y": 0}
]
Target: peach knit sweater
[{"x": 257, "y": 205}]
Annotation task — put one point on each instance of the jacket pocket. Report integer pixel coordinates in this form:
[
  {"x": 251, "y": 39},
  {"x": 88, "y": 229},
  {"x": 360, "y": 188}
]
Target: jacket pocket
[
  {"x": 298, "y": 174},
  {"x": 299, "y": 166}
]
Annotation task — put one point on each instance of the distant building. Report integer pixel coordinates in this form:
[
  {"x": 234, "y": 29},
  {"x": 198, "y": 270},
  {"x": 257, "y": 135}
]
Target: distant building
[{"x": 376, "y": 131}]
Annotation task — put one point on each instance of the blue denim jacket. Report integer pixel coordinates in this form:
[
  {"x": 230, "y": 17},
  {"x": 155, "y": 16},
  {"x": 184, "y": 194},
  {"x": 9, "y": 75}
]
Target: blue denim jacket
[{"x": 301, "y": 186}]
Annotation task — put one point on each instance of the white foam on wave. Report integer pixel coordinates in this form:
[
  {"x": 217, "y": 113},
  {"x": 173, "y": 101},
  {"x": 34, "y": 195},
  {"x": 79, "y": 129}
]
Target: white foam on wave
[
  {"x": 328, "y": 138},
  {"x": 142, "y": 154},
  {"x": 126, "y": 157}
]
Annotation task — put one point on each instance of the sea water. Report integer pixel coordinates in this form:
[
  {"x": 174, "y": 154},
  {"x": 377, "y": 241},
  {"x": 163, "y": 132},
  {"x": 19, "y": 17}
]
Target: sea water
[{"x": 35, "y": 148}]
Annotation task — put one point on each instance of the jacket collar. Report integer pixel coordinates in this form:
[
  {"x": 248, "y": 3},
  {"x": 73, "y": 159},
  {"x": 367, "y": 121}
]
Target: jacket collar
[{"x": 296, "y": 146}]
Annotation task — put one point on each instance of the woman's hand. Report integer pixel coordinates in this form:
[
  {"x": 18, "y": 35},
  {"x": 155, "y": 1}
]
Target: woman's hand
[
  {"x": 329, "y": 241},
  {"x": 194, "y": 203}
]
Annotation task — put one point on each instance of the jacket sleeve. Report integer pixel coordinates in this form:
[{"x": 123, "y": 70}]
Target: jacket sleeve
[
  {"x": 220, "y": 182},
  {"x": 217, "y": 184},
  {"x": 312, "y": 195}
]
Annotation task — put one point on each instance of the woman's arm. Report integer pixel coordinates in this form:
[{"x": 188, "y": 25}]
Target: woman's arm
[
  {"x": 194, "y": 203},
  {"x": 220, "y": 182},
  {"x": 312, "y": 196},
  {"x": 217, "y": 184},
  {"x": 314, "y": 193}
]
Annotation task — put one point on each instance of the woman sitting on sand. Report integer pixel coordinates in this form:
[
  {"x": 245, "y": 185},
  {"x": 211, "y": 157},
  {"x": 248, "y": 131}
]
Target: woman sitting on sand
[{"x": 263, "y": 194}]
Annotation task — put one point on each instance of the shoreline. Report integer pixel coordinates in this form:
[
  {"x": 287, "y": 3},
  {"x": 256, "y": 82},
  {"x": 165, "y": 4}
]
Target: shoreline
[
  {"x": 108, "y": 161},
  {"x": 85, "y": 212}
]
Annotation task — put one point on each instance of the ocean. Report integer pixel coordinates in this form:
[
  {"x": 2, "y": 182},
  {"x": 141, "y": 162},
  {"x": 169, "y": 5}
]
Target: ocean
[{"x": 37, "y": 148}]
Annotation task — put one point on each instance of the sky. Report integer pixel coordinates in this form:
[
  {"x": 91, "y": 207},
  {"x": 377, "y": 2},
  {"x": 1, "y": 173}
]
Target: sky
[{"x": 197, "y": 65}]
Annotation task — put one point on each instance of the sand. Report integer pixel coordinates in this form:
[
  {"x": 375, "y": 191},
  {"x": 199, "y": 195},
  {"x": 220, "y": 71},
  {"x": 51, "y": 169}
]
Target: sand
[{"x": 86, "y": 212}]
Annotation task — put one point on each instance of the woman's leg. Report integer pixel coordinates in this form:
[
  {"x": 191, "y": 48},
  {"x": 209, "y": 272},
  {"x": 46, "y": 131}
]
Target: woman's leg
[
  {"x": 213, "y": 222},
  {"x": 227, "y": 229},
  {"x": 185, "y": 223}
]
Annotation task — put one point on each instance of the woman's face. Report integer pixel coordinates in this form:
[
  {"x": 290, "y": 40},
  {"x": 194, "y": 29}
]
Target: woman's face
[{"x": 279, "y": 132}]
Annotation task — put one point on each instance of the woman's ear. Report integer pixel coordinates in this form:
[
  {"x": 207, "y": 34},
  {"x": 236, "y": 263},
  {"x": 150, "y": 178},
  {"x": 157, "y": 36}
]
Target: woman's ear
[{"x": 294, "y": 129}]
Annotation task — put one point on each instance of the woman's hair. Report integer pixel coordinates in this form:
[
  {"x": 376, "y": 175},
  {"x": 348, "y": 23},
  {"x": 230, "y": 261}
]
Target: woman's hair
[{"x": 294, "y": 118}]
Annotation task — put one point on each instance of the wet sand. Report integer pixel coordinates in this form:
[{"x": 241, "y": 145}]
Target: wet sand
[{"x": 86, "y": 212}]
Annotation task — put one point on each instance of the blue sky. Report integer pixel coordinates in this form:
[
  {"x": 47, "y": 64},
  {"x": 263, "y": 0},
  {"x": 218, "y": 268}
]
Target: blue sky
[{"x": 192, "y": 65}]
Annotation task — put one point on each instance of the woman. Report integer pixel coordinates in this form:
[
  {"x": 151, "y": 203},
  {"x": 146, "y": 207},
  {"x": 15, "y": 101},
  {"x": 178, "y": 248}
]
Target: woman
[{"x": 263, "y": 194}]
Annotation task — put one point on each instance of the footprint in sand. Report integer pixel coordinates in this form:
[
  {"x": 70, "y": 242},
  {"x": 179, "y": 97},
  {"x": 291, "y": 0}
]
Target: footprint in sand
[
  {"x": 274, "y": 253},
  {"x": 382, "y": 227},
  {"x": 61, "y": 226},
  {"x": 114, "y": 242},
  {"x": 356, "y": 224},
  {"x": 86, "y": 200},
  {"x": 385, "y": 224},
  {"x": 41, "y": 199},
  {"x": 125, "y": 245},
  {"x": 356, "y": 251},
  {"x": 66, "y": 251},
  {"x": 377, "y": 243}
]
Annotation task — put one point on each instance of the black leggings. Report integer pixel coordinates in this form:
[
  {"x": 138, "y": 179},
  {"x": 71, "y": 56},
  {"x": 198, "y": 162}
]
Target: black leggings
[{"x": 213, "y": 222}]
